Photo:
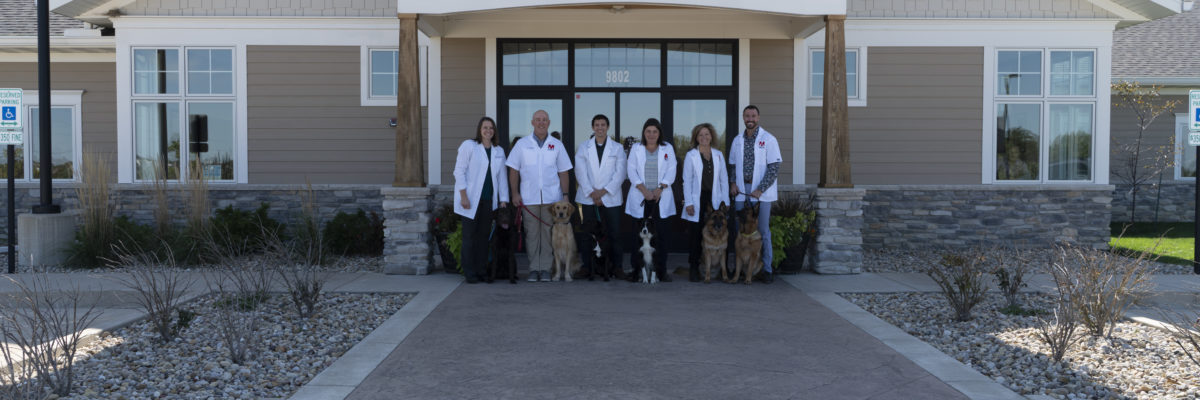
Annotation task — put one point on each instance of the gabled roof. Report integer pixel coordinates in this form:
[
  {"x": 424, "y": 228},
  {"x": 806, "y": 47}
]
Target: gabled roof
[
  {"x": 1167, "y": 49},
  {"x": 20, "y": 19}
]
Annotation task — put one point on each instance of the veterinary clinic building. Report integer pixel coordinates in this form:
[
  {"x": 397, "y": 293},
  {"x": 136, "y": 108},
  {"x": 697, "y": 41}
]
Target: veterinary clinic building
[{"x": 942, "y": 122}]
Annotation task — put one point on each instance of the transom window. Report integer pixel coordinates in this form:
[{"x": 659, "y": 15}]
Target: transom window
[
  {"x": 1045, "y": 128},
  {"x": 175, "y": 133}
]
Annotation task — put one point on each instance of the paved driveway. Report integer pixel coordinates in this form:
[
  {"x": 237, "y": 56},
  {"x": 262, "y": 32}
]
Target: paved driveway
[{"x": 618, "y": 340}]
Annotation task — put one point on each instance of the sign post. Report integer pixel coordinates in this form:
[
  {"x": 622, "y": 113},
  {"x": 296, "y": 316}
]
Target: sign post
[
  {"x": 1194, "y": 140},
  {"x": 11, "y": 135}
]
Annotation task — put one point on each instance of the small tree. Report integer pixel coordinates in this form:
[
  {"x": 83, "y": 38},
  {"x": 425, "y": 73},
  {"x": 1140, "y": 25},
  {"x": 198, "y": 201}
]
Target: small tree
[{"x": 1133, "y": 163}]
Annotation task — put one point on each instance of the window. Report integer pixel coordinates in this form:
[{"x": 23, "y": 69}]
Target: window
[
  {"x": 1185, "y": 155},
  {"x": 1045, "y": 128},
  {"x": 380, "y": 72},
  {"x": 700, "y": 64},
  {"x": 197, "y": 126},
  {"x": 64, "y": 138},
  {"x": 855, "y": 76},
  {"x": 618, "y": 65},
  {"x": 535, "y": 63}
]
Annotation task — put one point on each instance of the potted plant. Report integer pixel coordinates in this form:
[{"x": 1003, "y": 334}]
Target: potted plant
[
  {"x": 445, "y": 226},
  {"x": 792, "y": 229}
]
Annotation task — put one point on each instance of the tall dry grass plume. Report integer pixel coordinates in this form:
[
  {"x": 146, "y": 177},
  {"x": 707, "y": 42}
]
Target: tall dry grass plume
[
  {"x": 162, "y": 206},
  {"x": 196, "y": 188},
  {"x": 94, "y": 198}
]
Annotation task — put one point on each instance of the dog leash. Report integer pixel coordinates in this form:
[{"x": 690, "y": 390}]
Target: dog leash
[
  {"x": 520, "y": 229},
  {"x": 532, "y": 214}
]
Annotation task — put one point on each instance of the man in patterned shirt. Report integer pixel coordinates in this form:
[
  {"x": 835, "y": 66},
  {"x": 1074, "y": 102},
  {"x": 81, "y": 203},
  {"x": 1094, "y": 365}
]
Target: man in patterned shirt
[{"x": 759, "y": 150}]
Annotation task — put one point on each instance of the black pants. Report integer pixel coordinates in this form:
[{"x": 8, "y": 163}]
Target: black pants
[
  {"x": 660, "y": 251},
  {"x": 610, "y": 217},
  {"x": 475, "y": 242}
]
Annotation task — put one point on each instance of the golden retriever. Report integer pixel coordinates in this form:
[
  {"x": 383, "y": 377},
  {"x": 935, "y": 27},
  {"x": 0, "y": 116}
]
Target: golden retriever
[{"x": 562, "y": 236}]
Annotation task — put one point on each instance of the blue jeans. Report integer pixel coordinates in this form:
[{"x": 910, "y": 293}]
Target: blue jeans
[{"x": 764, "y": 229}]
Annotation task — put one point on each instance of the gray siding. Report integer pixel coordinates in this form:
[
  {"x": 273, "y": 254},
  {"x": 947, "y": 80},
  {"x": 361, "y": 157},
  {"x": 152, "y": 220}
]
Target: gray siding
[
  {"x": 263, "y": 8},
  {"x": 771, "y": 82},
  {"x": 99, "y": 108},
  {"x": 1158, "y": 137},
  {"x": 922, "y": 121},
  {"x": 305, "y": 120},
  {"x": 462, "y": 97},
  {"x": 976, "y": 9}
]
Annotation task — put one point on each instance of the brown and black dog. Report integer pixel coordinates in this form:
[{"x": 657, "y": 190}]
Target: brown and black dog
[
  {"x": 715, "y": 241},
  {"x": 748, "y": 244},
  {"x": 504, "y": 246},
  {"x": 562, "y": 237}
]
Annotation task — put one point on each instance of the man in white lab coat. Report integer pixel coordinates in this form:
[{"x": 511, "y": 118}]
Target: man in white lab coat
[
  {"x": 537, "y": 178},
  {"x": 756, "y": 158}
]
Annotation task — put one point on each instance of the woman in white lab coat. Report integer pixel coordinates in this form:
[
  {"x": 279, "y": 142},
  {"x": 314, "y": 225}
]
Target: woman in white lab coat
[
  {"x": 600, "y": 171},
  {"x": 480, "y": 185},
  {"x": 651, "y": 168},
  {"x": 705, "y": 185}
]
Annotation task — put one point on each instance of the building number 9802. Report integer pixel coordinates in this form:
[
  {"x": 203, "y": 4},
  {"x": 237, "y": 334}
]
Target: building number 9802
[{"x": 616, "y": 76}]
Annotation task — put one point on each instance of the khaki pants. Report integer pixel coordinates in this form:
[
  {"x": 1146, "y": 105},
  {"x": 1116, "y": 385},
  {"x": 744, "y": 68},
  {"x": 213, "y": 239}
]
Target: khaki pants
[{"x": 538, "y": 245}]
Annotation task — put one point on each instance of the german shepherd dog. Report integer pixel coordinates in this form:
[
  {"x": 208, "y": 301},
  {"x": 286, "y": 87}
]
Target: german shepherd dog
[
  {"x": 748, "y": 244},
  {"x": 503, "y": 263},
  {"x": 562, "y": 237},
  {"x": 715, "y": 241}
]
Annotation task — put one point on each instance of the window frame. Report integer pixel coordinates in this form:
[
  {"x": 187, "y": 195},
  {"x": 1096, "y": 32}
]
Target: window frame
[
  {"x": 1181, "y": 146},
  {"x": 180, "y": 59},
  {"x": 366, "y": 99},
  {"x": 72, "y": 99},
  {"x": 1046, "y": 101},
  {"x": 857, "y": 101},
  {"x": 183, "y": 98},
  {"x": 184, "y": 70}
]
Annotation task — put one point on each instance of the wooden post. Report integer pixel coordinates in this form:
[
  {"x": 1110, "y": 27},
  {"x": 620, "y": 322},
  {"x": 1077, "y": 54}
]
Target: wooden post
[
  {"x": 410, "y": 156},
  {"x": 835, "y": 119}
]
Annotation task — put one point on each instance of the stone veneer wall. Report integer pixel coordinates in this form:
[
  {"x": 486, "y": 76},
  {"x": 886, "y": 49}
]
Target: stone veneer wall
[
  {"x": 406, "y": 235},
  {"x": 965, "y": 215},
  {"x": 1176, "y": 203},
  {"x": 137, "y": 202}
]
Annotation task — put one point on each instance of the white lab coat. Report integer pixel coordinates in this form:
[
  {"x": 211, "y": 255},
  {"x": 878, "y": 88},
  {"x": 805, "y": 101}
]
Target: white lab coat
[
  {"x": 469, "y": 169},
  {"x": 636, "y": 167},
  {"x": 600, "y": 171},
  {"x": 766, "y": 151},
  {"x": 539, "y": 168},
  {"x": 693, "y": 173}
]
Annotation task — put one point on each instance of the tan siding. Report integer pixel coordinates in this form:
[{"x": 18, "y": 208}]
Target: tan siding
[
  {"x": 1160, "y": 134},
  {"x": 976, "y": 9},
  {"x": 462, "y": 97},
  {"x": 922, "y": 121},
  {"x": 99, "y": 108},
  {"x": 305, "y": 119},
  {"x": 771, "y": 90}
]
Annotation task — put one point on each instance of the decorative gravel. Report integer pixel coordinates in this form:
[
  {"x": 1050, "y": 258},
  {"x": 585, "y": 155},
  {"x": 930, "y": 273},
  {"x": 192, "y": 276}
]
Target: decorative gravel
[
  {"x": 917, "y": 260},
  {"x": 131, "y": 364},
  {"x": 336, "y": 264},
  {"x": 1138, "y": 362}
]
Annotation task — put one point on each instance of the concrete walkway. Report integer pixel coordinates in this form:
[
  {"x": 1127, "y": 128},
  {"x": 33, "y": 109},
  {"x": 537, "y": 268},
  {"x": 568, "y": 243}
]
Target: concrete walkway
[{"x": 794, "y": 339}]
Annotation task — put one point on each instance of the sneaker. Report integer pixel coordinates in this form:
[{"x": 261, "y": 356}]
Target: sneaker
[
  {"x": 533, "y": 276},
  {"x": 544, "y": 276}
]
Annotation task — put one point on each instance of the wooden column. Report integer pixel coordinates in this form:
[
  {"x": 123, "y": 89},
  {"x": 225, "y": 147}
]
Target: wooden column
[
  {"x": 835, "y": 119},
  {"x": 410, "y": 156}
]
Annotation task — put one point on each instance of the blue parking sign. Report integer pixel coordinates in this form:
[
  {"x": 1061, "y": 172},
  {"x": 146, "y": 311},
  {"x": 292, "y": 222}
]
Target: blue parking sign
[{"x": 8, "y": 113}]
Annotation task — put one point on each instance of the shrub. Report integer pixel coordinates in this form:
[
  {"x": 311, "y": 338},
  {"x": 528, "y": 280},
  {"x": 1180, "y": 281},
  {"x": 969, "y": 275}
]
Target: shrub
[
  {"x": 1184, "y": 329},
  {"x": 158, "y": 286},
  {"x": 961, "y": 278},
  {"x": 95, "y": 238},
  {"x": 454, "y": 242},
  {"x": 1103, "y": 285},
  {"x": 41, "y": 328},
  {"x": 243, "y": 229},
  {"x": 1011, "y": 266},
  {"x": 355, "y": 234},
  {"x": 788, "y": 231}
]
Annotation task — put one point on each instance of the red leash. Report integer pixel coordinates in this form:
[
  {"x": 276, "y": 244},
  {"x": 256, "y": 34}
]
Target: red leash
[{"x": 521, "y": 226}]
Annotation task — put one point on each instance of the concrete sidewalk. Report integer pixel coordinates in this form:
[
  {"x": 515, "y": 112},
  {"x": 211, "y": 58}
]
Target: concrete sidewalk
[{"x": 796, "y": 338}]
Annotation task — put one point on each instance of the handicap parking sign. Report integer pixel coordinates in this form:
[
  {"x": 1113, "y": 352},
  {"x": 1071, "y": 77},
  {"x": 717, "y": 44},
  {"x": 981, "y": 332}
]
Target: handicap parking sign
[
  {"x": 8, "y": 113},
  {"x": 10, "y": 108}
]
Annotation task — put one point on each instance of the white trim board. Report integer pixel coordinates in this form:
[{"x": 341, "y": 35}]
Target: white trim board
[
  {"x": 977, "y": 32},
  {"x": 807, "y": 7},
  {"x": 435, "y": 111},
  {"x": 799, "y": 111}
]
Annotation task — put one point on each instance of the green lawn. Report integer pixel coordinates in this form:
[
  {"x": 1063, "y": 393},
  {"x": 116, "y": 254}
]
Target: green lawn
[{"x": 1177, "y": 240}]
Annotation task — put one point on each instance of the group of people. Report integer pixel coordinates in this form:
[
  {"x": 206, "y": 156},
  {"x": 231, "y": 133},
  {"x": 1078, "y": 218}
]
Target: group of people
[{"x": 534, "y": 176}]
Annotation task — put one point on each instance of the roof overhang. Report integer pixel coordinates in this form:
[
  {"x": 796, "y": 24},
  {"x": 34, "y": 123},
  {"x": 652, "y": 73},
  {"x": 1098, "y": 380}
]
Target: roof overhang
[
  {"x": 1134, "y": 12},
  {"x": 789, "y": 7}
]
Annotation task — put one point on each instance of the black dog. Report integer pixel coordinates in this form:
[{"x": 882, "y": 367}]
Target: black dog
[
  {"x": 503, "y": 263},
  {"x": 601, "y": 264}
]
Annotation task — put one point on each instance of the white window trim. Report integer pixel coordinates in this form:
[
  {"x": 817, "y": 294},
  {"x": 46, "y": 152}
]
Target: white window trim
[
  {"x": 857, "y": 101},
  {"x": 238, "y": 98},
  {"x": 1100, "y": 115},
  {"x": 1095, "y": 82},
  {"x": 58, "y": 98},
  {"x": 1044, "y": 82},
  {"x": 1181, "y": 145},
  {"x": 367, "y": 100}
]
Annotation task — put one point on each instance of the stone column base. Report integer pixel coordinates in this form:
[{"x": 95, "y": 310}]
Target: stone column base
[
  {"x": 839, "y": 231},
  {"x": 406, "y": 235},
  {"x": 43, "y": 239}
]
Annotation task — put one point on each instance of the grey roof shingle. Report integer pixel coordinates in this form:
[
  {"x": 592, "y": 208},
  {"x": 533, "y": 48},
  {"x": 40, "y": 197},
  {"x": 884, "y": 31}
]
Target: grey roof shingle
[
  {"x": 20, "y": 19},
  {"x": 1164, "y": 48}
]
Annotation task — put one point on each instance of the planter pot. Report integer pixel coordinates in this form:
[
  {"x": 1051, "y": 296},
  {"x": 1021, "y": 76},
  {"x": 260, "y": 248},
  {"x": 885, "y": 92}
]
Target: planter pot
[
  {"x": 793, "y": 262},
  {"x": 448, "y": 263}
]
